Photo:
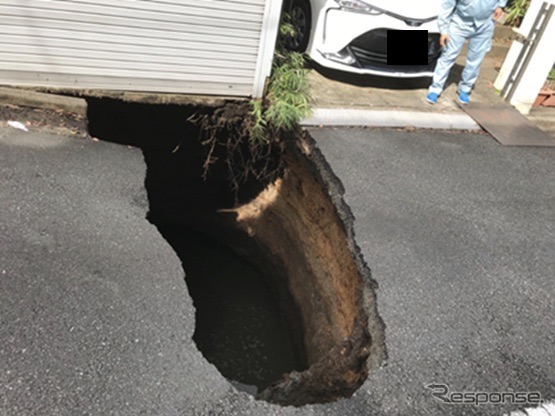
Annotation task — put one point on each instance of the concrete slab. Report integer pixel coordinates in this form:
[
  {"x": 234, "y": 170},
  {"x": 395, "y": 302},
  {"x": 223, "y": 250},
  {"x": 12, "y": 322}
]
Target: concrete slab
[
  {"x": 543, "y": 118},
  {"x": 389, "y": 118},
  {"x": 29, "y": 98},
  {"x": 550, "y": 408},
  {"x": 537, "y": 411}
]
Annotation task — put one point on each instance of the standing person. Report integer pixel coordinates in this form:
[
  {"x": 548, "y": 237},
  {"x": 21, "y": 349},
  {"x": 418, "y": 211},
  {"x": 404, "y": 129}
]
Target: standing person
[{"x": 460, "y": 20}]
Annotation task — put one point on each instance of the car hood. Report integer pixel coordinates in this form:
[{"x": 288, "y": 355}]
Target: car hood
[{"x": 414, "y": 9}]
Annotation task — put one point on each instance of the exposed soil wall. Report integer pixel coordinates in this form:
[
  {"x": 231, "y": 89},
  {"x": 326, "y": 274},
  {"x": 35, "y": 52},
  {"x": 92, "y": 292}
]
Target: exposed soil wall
[{"x": 300, "y": 227}]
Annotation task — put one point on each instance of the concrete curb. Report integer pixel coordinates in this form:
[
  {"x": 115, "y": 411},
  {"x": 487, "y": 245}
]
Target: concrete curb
[
  {"x": 380, "y": 118},
  {"x": 33, "y": 99},
  {"x": 321, "y": 116}
]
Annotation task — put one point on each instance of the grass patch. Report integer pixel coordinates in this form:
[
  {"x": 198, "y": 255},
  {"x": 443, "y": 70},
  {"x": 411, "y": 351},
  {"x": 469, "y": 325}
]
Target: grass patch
[
  {"x": 516, "y": 11},
  {"x": 246, "y": 138},
  {"x": 287, "y": 99}
]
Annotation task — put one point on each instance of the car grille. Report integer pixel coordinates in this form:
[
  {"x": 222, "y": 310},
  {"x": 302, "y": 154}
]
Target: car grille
[{"x": 370, "y": 51}]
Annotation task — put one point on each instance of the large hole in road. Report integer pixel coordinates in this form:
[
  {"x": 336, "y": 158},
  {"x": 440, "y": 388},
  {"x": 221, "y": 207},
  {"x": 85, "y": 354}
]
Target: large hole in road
[{"x": 285, "y": 305}]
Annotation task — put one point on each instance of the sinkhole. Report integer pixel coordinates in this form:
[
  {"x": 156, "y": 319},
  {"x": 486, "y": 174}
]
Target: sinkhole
[{"x": 285, "y": 306}]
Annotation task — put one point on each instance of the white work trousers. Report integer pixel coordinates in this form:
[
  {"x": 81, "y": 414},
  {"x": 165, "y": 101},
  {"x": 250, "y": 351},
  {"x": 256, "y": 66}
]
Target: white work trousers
[{"x": 478, "y": 45}]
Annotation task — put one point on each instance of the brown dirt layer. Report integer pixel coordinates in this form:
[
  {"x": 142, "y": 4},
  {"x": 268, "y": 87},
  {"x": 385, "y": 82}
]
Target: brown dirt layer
[{"x": 297, "y": 221}]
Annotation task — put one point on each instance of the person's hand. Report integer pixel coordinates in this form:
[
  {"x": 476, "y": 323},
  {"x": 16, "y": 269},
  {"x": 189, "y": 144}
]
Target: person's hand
[
  {"x": 497, "y": 13},
  {"x": 443, "y": 40}
]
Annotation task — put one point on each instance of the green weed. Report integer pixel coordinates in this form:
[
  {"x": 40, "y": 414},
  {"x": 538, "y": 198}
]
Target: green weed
[{"x": 287, "y": 99}]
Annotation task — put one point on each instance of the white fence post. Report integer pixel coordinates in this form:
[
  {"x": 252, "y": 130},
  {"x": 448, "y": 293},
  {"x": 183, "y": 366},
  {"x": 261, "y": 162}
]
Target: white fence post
[{"x": 530, "y": 57}]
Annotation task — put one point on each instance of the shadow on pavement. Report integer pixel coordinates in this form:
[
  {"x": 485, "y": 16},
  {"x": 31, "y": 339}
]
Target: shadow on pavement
[
  {"x": 374, "y": 81},
  {"x": 371, "y": 80}
]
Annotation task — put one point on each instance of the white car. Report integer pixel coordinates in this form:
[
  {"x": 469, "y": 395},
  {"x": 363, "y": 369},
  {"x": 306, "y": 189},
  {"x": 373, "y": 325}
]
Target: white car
[{"x": 351, "y": 35}]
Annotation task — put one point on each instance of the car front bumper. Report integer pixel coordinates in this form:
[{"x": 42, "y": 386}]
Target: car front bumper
[{"x": 357, "y": 42}]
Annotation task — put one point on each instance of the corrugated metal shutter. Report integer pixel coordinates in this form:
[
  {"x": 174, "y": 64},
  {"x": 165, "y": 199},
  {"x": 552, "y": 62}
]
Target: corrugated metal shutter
[{"x": 178, "y": 46}]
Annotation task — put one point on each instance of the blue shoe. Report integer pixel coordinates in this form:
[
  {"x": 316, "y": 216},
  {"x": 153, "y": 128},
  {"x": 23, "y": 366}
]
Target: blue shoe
[
  {"x": 432, "y": 97},
  {"x": 464, "y": 97}
]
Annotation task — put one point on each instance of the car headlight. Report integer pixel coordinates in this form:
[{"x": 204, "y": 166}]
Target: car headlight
[{"x": 359, "y": 6}]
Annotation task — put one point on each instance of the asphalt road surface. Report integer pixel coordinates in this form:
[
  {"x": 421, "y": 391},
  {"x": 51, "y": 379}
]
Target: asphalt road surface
[
  {"x": 460, "y": 235},
  {"x": 95, "y": 318}
]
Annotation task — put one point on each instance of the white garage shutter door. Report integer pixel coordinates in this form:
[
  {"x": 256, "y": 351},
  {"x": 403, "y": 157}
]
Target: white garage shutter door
[{"x": 201, "y": 47}]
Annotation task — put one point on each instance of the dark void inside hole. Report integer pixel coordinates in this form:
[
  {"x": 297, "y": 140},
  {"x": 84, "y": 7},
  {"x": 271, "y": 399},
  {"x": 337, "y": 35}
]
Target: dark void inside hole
[{"x": 239, "y": 325}]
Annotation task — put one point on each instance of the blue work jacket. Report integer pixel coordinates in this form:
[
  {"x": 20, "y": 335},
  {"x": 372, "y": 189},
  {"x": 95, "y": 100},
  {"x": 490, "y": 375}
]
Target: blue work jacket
[{"x": 476, "y": 12}]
